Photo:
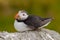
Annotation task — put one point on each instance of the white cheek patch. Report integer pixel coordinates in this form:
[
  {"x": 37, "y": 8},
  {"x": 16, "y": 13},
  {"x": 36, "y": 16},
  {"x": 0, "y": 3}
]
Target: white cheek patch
[{"x": 21, "y": 15}]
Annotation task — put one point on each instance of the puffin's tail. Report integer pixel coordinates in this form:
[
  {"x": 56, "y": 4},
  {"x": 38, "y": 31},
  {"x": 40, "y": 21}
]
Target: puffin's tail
[{"x": 45, "y": 21}]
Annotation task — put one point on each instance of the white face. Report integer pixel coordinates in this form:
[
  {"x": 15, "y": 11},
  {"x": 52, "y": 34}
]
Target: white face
[{"x": 23, "y": 15}]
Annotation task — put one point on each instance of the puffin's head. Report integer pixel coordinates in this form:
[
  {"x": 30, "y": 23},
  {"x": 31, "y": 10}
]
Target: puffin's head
[{"x": 21, "y": 15}]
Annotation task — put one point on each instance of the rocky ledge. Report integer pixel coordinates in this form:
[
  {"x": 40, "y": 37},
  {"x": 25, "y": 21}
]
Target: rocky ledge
[{"x": 43, "y": 34}]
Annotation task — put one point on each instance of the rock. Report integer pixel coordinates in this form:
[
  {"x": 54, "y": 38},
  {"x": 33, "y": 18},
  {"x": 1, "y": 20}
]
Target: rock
[{"x": 43, "y": 34}]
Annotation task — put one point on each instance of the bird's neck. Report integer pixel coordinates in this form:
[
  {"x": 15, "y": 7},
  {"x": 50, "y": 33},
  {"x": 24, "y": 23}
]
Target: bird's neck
[
  {"x": 22, "y": 20},
  {"x": 19, "y": 20}
]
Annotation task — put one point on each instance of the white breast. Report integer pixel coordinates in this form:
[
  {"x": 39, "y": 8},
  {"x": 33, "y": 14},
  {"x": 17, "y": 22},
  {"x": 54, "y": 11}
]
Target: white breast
[{"x": 21, "y": 26}]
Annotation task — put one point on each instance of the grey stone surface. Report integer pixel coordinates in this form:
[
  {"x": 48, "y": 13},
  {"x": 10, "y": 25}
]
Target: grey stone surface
[{"x": 43, "y": 34}]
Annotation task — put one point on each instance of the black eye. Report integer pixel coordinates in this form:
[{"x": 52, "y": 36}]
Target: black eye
[{"x": 23, "y": 14}]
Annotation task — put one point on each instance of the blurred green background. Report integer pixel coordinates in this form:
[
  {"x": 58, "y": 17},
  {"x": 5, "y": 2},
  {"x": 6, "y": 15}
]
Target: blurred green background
[{"x": 43, "y": 8}]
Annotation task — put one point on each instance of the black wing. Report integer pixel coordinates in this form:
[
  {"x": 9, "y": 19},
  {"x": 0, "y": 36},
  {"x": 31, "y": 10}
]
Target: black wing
[{"x": 35, "y": 21}]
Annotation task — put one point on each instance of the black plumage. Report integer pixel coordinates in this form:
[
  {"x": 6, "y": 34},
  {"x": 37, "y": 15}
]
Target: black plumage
[{"x": 35, "y": 22}]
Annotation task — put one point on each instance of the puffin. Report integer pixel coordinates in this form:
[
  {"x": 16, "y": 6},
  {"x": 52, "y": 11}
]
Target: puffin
[{"x": 25, "y": 22}]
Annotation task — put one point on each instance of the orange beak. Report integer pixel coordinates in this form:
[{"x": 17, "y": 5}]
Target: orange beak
[{"x": 17, "y": 16}]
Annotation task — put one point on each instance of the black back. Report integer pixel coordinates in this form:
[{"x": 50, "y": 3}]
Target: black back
[{"x": 35, "y": 21}]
